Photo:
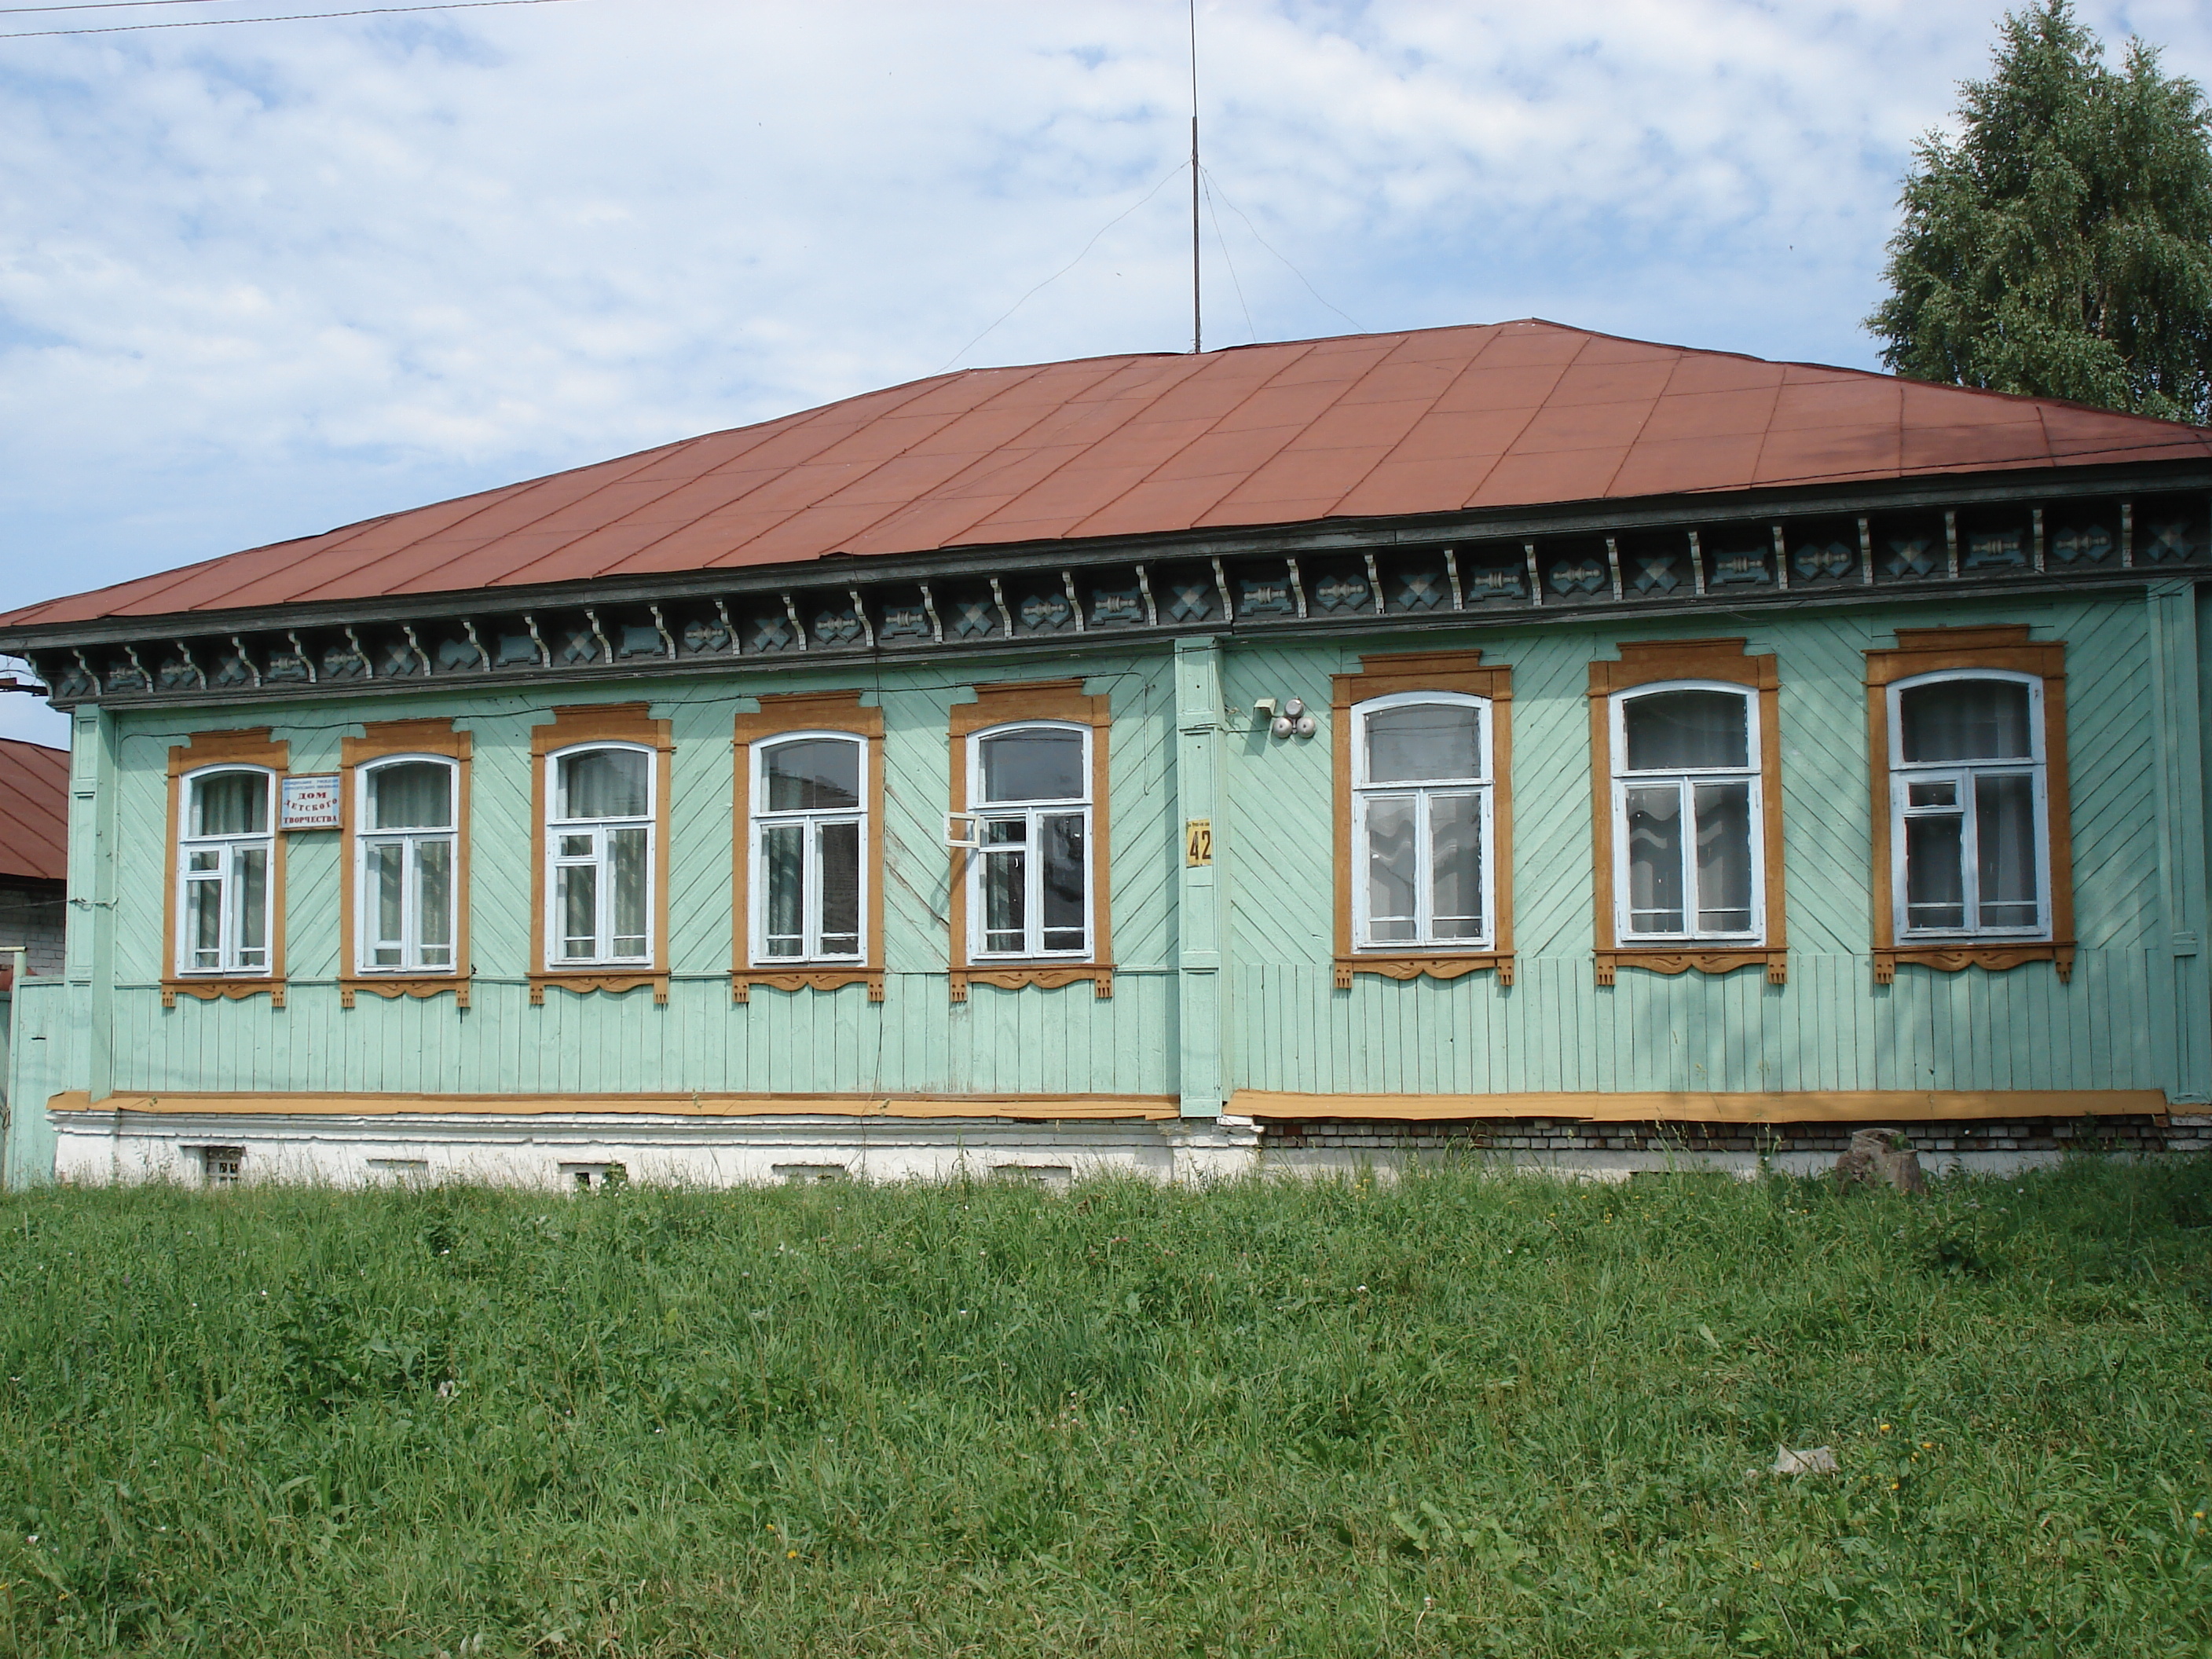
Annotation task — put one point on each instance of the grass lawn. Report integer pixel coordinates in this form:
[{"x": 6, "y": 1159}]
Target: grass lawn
[{"x": 1463, "y": 1413}]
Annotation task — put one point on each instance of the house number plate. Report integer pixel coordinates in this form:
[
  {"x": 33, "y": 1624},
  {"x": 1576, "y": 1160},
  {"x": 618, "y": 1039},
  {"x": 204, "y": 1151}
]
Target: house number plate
[{"x": 1198, "y": 840}]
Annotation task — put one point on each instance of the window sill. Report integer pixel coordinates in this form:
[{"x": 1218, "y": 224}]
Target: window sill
[
  {"x": 806, "y": 979},
  {"x": 1435, "y": 964},
  {"x": 1957, "y": 956},
  {"x": 1693, "y": 957},
  {"x": 613, "y": 980},
  {"x": 403, "y": 985},
  {"x": 1013, "y": 976},
  {"x": 217, "y": 987}
]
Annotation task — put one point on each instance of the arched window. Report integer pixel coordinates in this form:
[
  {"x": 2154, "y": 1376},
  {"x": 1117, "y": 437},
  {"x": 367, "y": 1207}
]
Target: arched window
[
  {"x": 404, "y": 856},
  {"x": 809, "y": 830},
  {"x": 1421, "y": 827},
  {"x": 599, "y": 852},
  {"x": 223, "y": 859},
  {"x": 1028, "y": 873},
  {"x": 1687, "y": 812},
  {"x": 1969, "y": 813}
]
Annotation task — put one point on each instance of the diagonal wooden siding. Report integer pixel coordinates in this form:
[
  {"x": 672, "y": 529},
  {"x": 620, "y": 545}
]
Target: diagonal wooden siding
[{"x": 1829, "y": 1028}]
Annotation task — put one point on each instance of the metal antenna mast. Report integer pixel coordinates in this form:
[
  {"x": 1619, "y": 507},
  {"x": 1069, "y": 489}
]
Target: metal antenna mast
[{"x": 1197, "y": 315}]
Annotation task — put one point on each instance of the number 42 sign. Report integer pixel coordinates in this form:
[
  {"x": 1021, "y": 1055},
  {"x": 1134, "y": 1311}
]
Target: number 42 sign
[{"x": 1198, "y": 842}]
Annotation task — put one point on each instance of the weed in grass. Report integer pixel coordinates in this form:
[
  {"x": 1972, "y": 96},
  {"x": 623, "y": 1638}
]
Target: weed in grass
[{"x": 1459, "y": 1414}]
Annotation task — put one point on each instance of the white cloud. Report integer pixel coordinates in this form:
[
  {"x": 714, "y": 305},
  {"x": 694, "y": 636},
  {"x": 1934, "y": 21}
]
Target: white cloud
[{"x": 255, "y": 281}]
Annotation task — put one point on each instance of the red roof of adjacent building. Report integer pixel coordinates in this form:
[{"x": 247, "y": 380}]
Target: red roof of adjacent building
[
  {"x": 1377, "y": 425},
  {"x": 33, "y": 810}
]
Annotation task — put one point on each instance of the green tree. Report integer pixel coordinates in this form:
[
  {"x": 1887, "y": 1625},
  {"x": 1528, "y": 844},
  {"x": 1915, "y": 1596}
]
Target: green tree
[{"x": 2062, "y": 244}]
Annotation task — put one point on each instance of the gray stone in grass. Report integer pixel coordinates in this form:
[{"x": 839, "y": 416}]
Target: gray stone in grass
[
  {"x": 1881, "y": 1157},
  {"x": 1816, "y": 1459}
]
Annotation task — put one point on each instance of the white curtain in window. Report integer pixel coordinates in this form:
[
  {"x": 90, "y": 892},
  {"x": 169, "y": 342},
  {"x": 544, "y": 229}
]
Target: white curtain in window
[
  {"x": 808, "y": 825},
  {"x": 1966, "y": 794},
  {"x": 1687, "y": 804}
]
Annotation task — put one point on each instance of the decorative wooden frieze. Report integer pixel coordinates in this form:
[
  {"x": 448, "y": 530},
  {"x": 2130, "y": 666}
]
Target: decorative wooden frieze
[{"x": 1783, "y": 560}]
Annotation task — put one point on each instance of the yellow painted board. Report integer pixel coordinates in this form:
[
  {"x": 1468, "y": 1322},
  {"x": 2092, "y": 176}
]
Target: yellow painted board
[{"x": 1810, "y": 1106}]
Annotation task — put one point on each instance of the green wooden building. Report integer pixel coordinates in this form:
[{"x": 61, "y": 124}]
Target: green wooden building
[{"x": 1509, "y": 736}]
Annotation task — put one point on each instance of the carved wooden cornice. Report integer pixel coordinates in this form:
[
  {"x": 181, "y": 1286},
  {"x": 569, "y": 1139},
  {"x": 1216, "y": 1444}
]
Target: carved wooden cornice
[{"x": 1811, "y": 550}]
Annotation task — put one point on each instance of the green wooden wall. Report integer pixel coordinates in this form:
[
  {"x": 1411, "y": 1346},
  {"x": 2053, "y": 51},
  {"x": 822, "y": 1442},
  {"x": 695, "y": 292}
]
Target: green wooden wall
[
  {"x": 2134, "y": 1015},
  {"x": 1831, "y": 1027}
]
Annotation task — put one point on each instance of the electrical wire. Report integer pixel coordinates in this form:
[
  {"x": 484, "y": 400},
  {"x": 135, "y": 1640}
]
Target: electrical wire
[
  {"x": 1070, "y": 265},
  {"x": 1235, "y": 281},
  {"x": 288, "y": 17},
  {"x": 1294, "y": 270},
  {"x": 104, "y": 5}
]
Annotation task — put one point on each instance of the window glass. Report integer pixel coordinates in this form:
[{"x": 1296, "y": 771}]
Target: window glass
[
  {"x": 625, "y": 852},
  {"x": 1935, "y": 880},
  {"x": 1393, "y": 869},
  {"x": 250, "y": 905},
  {"x": 813, "y": 774},
  {"x": 1424, "y": 740},
  {"x": 1006, "y": 885},
  {"x": 603, "y": 783},
  {"x": 1456, "y": 866},
  {"x": 230, "y": 804},
  {"x": 411, "y": 795},
  {"x": 841, "y": 889},
  {"x": 434, "y": 903},
  {"x": 1965, "y": 720},
  {"x": 1060, "y": 837},
  {"x": 203, "y": 917},
  {"x": 578, "y": 895},
  {"x": 1655, "y": 859},
  {"x": 783, "y": 855},
  {"x": 1724, "y": 857},
  {"x": 387, "y": 866},
  {"x": 1678, "y": 731},
  {"x": 2004, "y": 821},
  {"x": 1033, "y": 765}
]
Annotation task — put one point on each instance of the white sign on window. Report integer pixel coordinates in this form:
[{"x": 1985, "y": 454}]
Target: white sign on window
[{"x": 309, "y": 803}]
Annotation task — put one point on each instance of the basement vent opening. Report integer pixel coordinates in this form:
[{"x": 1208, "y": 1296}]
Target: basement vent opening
[
  {"x": 809, "y": 1174},
  {"x": 219, "y": 1165},
  {"x": 400, "y": 1169},
  {"x": 590, "y": 1177},
  {"x": 1054, "y": 1176}
]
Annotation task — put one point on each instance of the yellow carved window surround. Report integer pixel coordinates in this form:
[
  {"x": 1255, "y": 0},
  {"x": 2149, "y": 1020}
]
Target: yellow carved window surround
[
  {"x": 1995, "y": 652},
  {"x": 1456, "y": 674},
  {"x": 246, "y": 749},
  {"x": 1691, "y": 663},
  {"x": 615, "y": 725},
  {"x": 1056, "y": 701},
  {"x": 837, "y": 713},
  {"x": 386, "y": 740}
]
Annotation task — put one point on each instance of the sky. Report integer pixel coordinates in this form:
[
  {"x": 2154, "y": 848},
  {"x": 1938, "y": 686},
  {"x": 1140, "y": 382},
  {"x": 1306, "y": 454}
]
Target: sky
[{"x": 257, "y": 280}]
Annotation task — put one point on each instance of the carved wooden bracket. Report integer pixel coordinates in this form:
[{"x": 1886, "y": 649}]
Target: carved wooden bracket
[
  {"x": 823, "y": 979},
  {"x": 612, "y": 983},
  {"x": 405, "y": 985},
  {"x": 211, "y": 990},
  {"x": 1956, "y": 959},
  {"x": 1448, "y": 966},
  {"x": 1718, "y": 960},
  {"x": 1101, "y": 975}
]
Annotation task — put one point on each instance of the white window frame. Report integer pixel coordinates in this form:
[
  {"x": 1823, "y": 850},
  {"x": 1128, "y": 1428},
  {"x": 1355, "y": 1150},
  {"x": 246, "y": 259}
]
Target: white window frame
[
  {"x": 228, "y": 947},
  {"x": 1423, "y": 791},
  {"x": 1904, "y": 773},
  {"x": 410, "y": 878},
  {"x": 761, "y": 819},
  {"x": 556, "y": 827},
  {"x": 978, "y": 814},
  {"x": 1686, "y": 779}
]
